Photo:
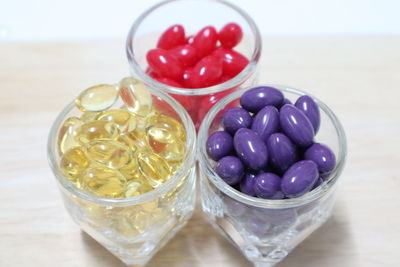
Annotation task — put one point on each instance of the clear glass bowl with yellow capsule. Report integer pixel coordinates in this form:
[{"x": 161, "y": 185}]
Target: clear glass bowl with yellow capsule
[{"x": 124, "y": 159}]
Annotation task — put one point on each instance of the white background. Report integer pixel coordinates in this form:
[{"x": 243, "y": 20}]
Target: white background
[{"x": 38, "y": 20}]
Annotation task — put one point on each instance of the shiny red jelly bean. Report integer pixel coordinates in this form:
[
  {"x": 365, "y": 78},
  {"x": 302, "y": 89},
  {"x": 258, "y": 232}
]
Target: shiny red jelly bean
[
  {"x": 186, "y": 77},
  {"x": 230, "y": 35},
  {"x": 163, "y": 63},
  {"x": 173, "y": 36},
  {"x": 233, "y": 62},
  {"x": 190, "y": 39},
  {"x": 206, "y": 72},
  {"x": 186, "y": 54},
  {"x": 168, "y": 81},
  {"x": 205, "y": 41}
]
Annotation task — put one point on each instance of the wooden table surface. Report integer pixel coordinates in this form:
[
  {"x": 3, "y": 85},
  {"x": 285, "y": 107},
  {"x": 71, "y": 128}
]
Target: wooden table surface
[{"x": 358, "y": 77}]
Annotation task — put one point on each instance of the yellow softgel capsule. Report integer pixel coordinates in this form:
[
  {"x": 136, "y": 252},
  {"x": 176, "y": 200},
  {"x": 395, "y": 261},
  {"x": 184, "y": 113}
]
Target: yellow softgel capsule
[
  {"x": 127, "y": 141},
  {"x": 73, "y": 163},
  {"x": 131, "y": 170},
  {"x": 174, "y": 152},
  {"x": 160, "y": 134},
  {"x": 67, "y": 135},
  {"x": 104, "y": 182},
  {"x": 109, "y": 153},
  {"x": 97, "y": 130},
  {"x": 154, "y": 168},
  {"x": 89, "y": 116},
  {"x": 137, "y": 187},
  {"x": 125, "y": 120},
  {"x": 135, "y": 96},
  {"x": 97, "y": 98},
  {"x": 139, "y": 139},
  {"x": 169, "y": 123}
]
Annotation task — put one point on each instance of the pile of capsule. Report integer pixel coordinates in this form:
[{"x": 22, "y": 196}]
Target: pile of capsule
[
  {"x": 120, "y": 152},
  {"x": 267, "y": 147},
  {"x": 202, "y": 60}
]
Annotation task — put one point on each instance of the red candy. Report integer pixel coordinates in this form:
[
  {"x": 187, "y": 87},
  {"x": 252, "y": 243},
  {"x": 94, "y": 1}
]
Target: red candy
[
  {"x": 230, "y": 35},
  {"x": 186, "y": 54},
  {"x": 233, "y": 62},
  {"x": 187, "y": 74},
  {"x": 190, "y": 39},
  {"x": 169, "y": 82},
  {"x": 196, "y": 62},
  {"x": 163, "y": 63},
  {"x": 173, "y": 36},
  {"x": 205, "y": 41},
  {"x": 206, "y": 72}
]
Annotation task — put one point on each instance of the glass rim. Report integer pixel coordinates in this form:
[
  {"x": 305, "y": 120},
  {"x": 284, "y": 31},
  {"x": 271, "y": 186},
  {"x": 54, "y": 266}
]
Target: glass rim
[
  {"x": 188, "y": 161},
  {"x": 238, "y": 79},
  {"x": 211, "y": 175}
]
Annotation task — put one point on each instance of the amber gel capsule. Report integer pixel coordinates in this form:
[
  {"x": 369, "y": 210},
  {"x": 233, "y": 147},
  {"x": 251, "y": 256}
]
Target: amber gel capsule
[{"x": 97, "y": 98}]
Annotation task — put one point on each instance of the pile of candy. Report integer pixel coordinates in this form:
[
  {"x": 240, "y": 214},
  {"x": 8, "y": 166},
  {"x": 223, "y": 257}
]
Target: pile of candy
[
  {"x": 267, "y": 148},
  {"x": 122, "y": 152},
  {"x": 197, "y": 61}
]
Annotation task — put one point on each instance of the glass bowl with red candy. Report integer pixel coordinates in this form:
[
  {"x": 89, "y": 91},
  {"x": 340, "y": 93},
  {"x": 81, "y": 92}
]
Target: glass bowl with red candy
[{"x": 197, "y": 51}]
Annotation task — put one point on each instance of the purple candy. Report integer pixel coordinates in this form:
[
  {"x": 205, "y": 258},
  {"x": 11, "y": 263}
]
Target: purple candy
[
  {"x": 266, "y": 185},
  {"x": 247, "y": 184},
  {"x": 219, "y": 144},
  {"x": 317, "y": 183},
  {"x": 296, "y": 125},
  {"x": 250, "y": 149},
  {"x": 322, "y": 156},
  {"x": 235, "y": 118},
  {"x": 310, "y": 109},
  {"x": 256, "y": 98},
  {"x": 299, "y": 178},
  {"x": 281, "y": 151},
  {"x": 266, "y": 122},
  {"x": 286, "y": 101},
  {"x": 230, "y": 169}
]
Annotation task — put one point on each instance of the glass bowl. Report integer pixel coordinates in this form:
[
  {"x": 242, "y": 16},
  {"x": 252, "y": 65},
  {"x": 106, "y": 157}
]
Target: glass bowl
[
  {"x": 265, "y": 231},
  {"x": 147, "y": 28},
  {"x": 133, "y": 228}
]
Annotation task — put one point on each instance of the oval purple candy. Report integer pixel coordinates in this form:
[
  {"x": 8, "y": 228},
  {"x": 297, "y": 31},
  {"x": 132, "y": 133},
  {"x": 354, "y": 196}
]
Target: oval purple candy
[
  {"x": 230, "y": 169},
  {"x": 322, "y": 156},
  {"x": 281, "y": 151},
  {"x": 310, "y": 109},
  {"x": 219, "y": 144},
  {"x": 296, "y": 125},
  {"x": 286, "y": 101},
  {"x": 250, "y": 149},
  {"x": 317, "y": 183},
  {"x": 247, "y": 184},
  {"x": 267, "y": 185},
  {"x": 235, "y": 118},
  {"x": 256, "y": 98},
  {"x": 299, "y": 178},
  {"x": 266, "y": 122}
]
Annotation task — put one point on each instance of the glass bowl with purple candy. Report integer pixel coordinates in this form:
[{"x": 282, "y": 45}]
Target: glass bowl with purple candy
[{"x": 270, "y": 160}]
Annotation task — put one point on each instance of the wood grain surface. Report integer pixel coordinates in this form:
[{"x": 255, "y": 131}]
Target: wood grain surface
[{"x": 358, "y": 77}]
